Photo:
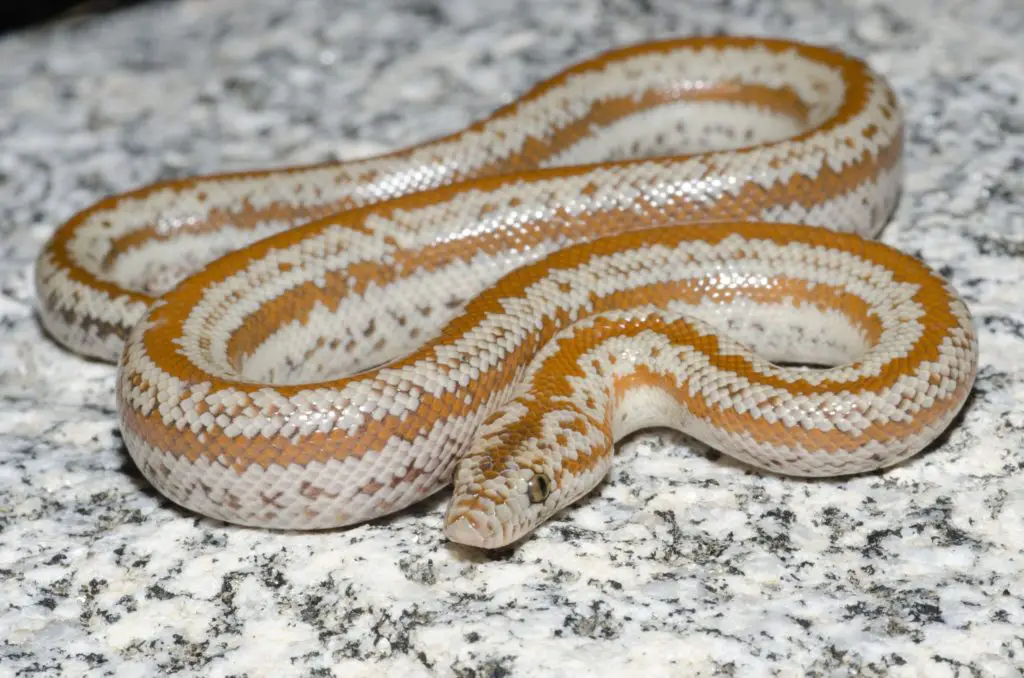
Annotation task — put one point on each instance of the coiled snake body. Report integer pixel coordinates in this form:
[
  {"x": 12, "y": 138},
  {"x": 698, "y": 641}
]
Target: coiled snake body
[{"x": 650, "y": 238}]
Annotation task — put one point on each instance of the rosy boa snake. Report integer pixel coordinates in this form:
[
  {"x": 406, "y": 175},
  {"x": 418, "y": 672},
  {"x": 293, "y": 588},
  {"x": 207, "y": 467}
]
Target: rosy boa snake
[{"x": 498, "y": 307}]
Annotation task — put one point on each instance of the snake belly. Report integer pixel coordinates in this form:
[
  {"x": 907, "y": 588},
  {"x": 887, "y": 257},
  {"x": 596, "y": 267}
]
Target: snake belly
[{"x": 645, "y": 239}]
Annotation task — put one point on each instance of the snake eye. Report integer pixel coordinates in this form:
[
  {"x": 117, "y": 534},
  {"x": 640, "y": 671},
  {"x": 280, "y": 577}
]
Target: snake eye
[{"x": 539, "y": 489}]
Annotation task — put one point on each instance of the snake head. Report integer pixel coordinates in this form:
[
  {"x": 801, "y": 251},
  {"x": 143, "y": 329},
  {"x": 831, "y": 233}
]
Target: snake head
[
  {"x": 498, "y": 499},
  {"x": 514, "y": 478}
]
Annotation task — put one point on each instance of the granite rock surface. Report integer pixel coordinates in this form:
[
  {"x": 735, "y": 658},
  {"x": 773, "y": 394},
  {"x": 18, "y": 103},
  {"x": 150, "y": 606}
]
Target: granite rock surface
[{"x": 684, "y": 563}]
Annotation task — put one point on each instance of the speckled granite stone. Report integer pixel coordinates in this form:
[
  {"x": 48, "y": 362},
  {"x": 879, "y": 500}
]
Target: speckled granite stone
[{"x": 683, "y": 563}]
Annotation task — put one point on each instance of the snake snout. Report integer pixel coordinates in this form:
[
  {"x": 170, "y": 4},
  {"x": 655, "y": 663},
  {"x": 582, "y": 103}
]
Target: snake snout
[{"x": 473, "y": 528}]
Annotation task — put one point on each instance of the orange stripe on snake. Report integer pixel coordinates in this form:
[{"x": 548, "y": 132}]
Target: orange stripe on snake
[{"x": 647, "y": 239}]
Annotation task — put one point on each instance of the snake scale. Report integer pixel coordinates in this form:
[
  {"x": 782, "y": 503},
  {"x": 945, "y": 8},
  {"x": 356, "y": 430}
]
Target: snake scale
[{"x": 676, "y": 233}]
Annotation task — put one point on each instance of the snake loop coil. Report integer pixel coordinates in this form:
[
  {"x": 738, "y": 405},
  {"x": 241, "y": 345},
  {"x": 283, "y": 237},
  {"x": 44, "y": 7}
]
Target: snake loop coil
[{"x": 650, "y": 238}]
